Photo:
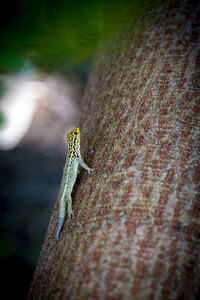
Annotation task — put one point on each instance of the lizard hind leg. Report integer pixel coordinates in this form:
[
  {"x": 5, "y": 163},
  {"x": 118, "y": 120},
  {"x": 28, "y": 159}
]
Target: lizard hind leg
[{"x": 69, "y": 206}]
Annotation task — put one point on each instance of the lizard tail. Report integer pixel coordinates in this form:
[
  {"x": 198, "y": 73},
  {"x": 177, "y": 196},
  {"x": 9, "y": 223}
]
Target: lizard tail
[
  {"x": 61, "y": 214},
  {"x": 60, "y": 223}
]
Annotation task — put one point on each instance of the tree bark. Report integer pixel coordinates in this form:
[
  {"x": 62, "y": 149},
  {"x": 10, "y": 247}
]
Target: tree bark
[{"x": 135, "y": 231}]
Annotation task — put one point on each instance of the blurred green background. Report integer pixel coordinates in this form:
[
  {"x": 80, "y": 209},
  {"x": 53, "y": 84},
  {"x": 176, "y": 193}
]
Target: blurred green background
[
  {"x": 50, "y": 43},
  {"x": 58, "y": 34}
]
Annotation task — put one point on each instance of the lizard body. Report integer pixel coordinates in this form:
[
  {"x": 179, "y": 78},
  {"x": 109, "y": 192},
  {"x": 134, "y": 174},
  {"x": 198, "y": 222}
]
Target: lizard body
[{"x": 69, "y": 175}]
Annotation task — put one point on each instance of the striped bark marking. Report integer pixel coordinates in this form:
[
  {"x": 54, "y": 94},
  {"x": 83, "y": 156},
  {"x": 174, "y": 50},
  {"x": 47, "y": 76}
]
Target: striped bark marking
[
  {"x": 127, "y": 194},
  {"x": 157, "y": 275},
  {"x": 142, "y": 110},
  {"x": 81, "y": 266},
  {"x": 139, "y": 139},
  {"x": 129, "y": 159},
  {"x": 140, "y": 266},
  {"x": 165, "y": 150},
  {"x": 155, "y": 167},
  {"x": 186, "y": 129},
  {"x": 111, "y": 283},
  {"x": 130, "y": 225},
  {"x": 163, "y": 87},
  {"x": 144, "y": 175},
  {"x": 175, "y": 219},
  {"x": 116, "y": 183},
  {"x": 86, "y": 205},
  {"x": 110, "y": 167},
  {"x": 182, "y": 182},
  {"x": 150, "y": 150},
  {"x": 152, "y": 63},
  {"x": 171, "y": 271},
  {"x": 164, "y": 195},
  {"x": 196, "y": 211},
  {"x": 196, "y": 108},
  {"x": 106, "y": 207},
  {"x": 147, "y": 191}
]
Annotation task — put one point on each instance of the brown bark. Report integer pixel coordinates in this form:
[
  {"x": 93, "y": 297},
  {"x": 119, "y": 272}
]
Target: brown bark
[{"x": 135, "y": 231}]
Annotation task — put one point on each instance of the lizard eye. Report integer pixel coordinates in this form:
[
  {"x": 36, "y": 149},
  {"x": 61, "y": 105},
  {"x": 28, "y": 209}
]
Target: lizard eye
[{"x": 75, "y": 133}]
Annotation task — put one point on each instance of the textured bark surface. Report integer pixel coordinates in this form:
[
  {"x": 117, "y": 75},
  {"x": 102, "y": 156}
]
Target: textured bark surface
[{"x": 135, "y": 231}]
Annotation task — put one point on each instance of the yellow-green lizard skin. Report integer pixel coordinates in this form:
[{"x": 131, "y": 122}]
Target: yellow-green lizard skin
[{"x": 69, "y": 175}]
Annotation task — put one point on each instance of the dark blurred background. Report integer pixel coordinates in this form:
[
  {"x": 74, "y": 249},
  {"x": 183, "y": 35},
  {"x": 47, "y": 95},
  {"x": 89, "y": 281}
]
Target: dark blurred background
[{"x": 45, "y": 57}]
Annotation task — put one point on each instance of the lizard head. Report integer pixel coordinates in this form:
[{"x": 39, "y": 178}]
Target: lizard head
[
  {"x": 73, "y": 143},
  {"x": 74, "y": 135}
]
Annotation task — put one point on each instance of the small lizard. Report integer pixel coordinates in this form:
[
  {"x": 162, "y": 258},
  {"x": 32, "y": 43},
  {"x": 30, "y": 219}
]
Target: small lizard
[{"x": 69, "y": 175}]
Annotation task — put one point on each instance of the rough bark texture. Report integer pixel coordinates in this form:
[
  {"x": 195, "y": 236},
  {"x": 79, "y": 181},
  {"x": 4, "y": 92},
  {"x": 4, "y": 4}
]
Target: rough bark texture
[{"x": 135, "y": 231}]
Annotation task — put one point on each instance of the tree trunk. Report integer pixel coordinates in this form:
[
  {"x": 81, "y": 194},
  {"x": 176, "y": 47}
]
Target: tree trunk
[{"x": 135, "y": 231}]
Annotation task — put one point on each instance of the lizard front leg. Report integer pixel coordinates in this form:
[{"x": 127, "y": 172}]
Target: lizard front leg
[{"x": 81, "y": 162}]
